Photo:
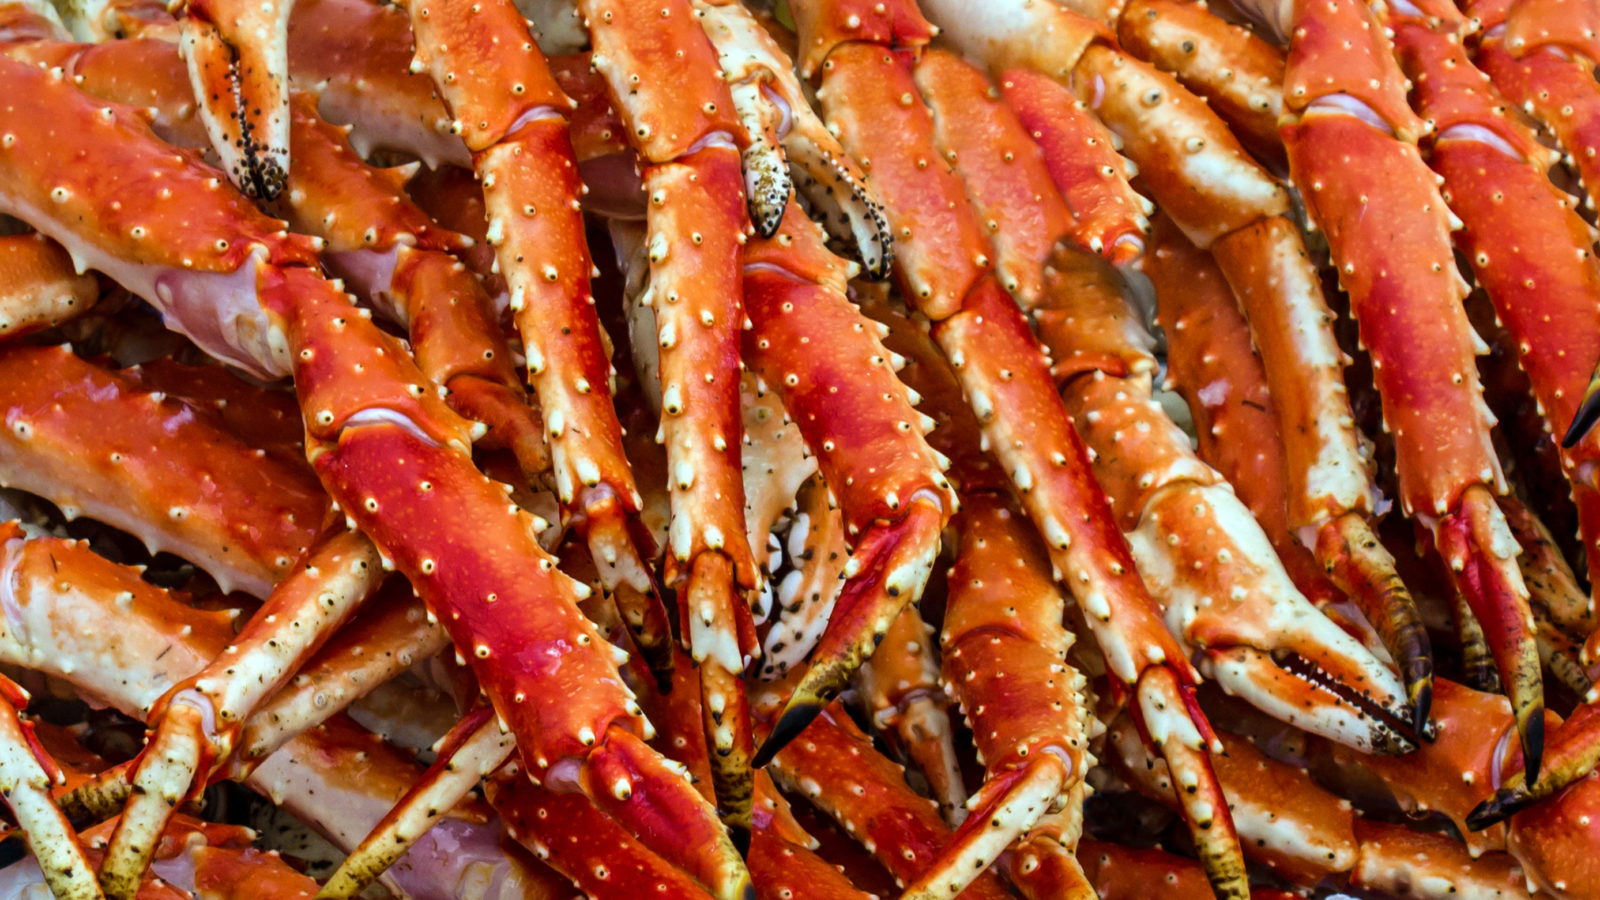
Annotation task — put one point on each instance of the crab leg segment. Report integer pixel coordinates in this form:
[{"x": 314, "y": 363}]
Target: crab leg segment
[
  {"x": 379, "y": 439},
  {"x": 1003, "y": 629},
  {"x": 475, "y": 747},
  {"x": 1347, "y": 93},
  {"x": 835, "y": 765},
  {"x": 1212, "y": 364},
  {"x": 653, "y": 56},
  {"x": 1224, "y": 589},
  {"x": 512, "y": 115},
  {"x": 1223, "y": 200},
  {"x": 198, "y": 723},
  {"x": 238, "y": 58},
  {"x": 243, "y": 519},
  {"x": 547, "y": 671},
  {"x": 900, "y": 684},
  {"x": 1311, "y": 837},
  {"x": 1108, "y": 215},
  {"x": 823, "y": 355},
  {"x": 336, "y": 777},
  {"x": 42, "y": 290},
  {"x": 388, "y": 250},
  {"x": 1238, "y": 73},
  {"x": 26, "y": 775}
]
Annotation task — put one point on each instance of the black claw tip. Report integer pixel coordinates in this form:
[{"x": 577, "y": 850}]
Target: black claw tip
[
  {"x": 793, "y": 721},
  {"x": 741, "y": 839},
  {"x": 1533, "y": 745},
  {"x": 1588, "y": 413},
  {"x": 1421, "y": 707},
  {"x": 1500, "y": 806}
]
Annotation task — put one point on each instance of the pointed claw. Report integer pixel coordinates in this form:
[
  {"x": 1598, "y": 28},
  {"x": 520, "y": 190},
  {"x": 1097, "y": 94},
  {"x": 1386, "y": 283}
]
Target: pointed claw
[
  {"x": 1481, "y": 554},
  {"x": 162, "y": 781},
  {"x": 1361, "y": 566},
  {"x": 642, "y": 792},
  {"x": 893, "y": 563},
  {"x": 1002, "y": 810},
  {"x": 1335, "y": 688},
  {"x": 1572, "y": 753},
  {"x": 1171, "y": 719},
  {"x": 238, "y": 58},
  {"x": 474, "y": 748},
  {"x": 1296, "y": 698},
  {"x": 618, "y": 554},
  {"x": 26, "y": 775},
  {"x": 724, "y": 706}
]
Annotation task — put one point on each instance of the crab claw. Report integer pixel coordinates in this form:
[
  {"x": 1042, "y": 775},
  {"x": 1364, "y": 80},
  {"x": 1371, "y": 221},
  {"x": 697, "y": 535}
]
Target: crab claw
[
  {"x": 1226, "y": 595},
  {"x": 893, "y": 562},
  {"x": 238, "y": 59},
  {"x": 1571, "y": 753},
  {"x": 1482, "y": 554}
]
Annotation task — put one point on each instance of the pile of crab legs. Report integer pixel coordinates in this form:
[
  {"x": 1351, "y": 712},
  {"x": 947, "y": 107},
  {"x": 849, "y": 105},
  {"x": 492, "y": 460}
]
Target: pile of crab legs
[{"x": 990, "y": 189}]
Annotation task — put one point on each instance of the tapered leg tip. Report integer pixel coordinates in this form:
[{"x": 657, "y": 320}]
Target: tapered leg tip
[
  {"x": 794, "y": 720},
  {"x": 1421, "y": 708},
  {"x": 1532, "y": 729}
]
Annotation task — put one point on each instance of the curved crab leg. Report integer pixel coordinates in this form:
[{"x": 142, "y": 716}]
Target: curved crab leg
[
  {"x": 198, "y": 724},
  {"x": 238, "y": 59},
  {"x": 1211, "y": 363},
  {"x": 1002, "y": 630},
  {"x": 901, "y": 690},
  {"x": 943, "y": 272},
  {"x": 389, "y": 251},
  {"x": 243, "y": 519},
  {"x": 475, "y": 747},
  {"x": 385, "y": 639},
  {"x": 1225, "y": 592},
  {"x": 835, "y": 766},
  {"x": 765, "y": 87},
  {"x": 1543, "y": 289},
  {"x": 1311, "y": 837},
  {"x": 653, "y": 55},
  {"x": 1431, "y": 396},
  {"x": 42, "y": 290},
  {"x": 379, "y": 441},
  {"x": 822, "y": 355},
  {"x": 1003, "y": 627},
  {"x": 513, "y": 119},
  {"x": 338, "y": 777},
  {"x": 1223, "y": 200},
  {"x": 26, "y": 775}
]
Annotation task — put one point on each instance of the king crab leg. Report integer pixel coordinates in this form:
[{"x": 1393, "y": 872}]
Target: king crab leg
[
  {"x": 944, "y": 273},
  {"x": 509, "y": 120},
  {"x": 901, "y": 691},
  {"x": 1224, "y": 201},
  {"x": 42, "y": 290},
  {"x": 244, "y": 522},
  {"x": 378, "y": 442},
  {"x": 889, "y": 483},
  {"x": 26, "y": 775},
  {"x": 55, "y": 625},
  {"x": 1310, "y": 836},
  {"x": 1346, "y": 93}
]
